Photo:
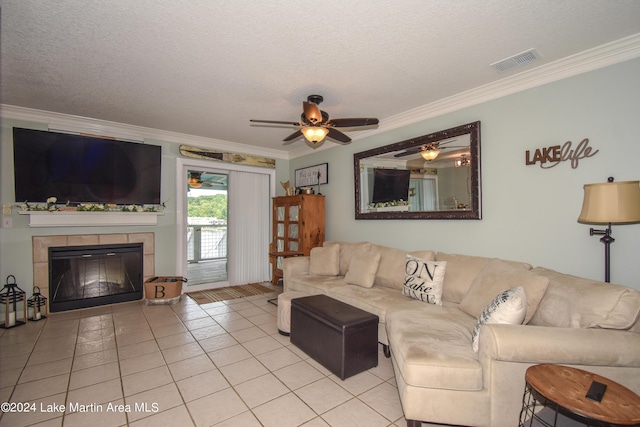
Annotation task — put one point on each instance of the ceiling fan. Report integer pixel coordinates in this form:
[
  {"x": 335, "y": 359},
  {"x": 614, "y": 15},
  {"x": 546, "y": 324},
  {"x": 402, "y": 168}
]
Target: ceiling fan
[
  {"x": 315, "y": 124},
  {"x": 430, "y": 150},
  {"x": 196, "y": 180}
]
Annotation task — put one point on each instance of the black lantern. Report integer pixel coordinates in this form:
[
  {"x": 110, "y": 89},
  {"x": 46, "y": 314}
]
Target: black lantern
[
  {"x": 37, "y": 305},
  {"x": 10, "y": 296}
]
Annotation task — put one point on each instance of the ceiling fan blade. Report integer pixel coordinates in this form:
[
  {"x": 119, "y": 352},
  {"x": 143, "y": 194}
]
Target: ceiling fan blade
[
  {"x": 312, "y": 112},
  {"x": 449, "y": 141},
  {"x": 410, "y": 151},
  {"x": 353, "y": 122},
  {"x": 338, "y": 136},
  {"x": 297, "y": 134},
  {"x": 340, "y": 123},
  {"x": 277, "y": 122}
]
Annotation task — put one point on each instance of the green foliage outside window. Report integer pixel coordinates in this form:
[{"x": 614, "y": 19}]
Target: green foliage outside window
[{"x": 214, "y": 206}]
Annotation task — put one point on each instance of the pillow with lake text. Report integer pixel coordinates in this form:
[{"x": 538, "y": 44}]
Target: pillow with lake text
[{"x": 423, "y": 279}]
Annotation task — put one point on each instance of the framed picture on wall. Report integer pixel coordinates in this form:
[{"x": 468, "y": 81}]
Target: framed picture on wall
[{"x": 312, "y": 175}]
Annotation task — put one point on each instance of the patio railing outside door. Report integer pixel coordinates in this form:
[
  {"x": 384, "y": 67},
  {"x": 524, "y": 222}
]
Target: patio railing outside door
[{"x": 206, "y": 242}]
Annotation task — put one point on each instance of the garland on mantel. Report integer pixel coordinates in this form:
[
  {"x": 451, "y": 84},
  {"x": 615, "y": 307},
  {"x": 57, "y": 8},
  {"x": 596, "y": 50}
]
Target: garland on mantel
[
  {"x": 51, "y": 205},
  {"x": 389, "y": 204}
]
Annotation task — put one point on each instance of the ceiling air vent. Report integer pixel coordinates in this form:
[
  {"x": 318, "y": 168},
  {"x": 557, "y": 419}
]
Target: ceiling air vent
[{"x": 518, "y": 60}]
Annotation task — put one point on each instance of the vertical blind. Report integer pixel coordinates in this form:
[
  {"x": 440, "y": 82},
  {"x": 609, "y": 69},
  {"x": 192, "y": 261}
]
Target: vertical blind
[{"x": 249, "y": 223}]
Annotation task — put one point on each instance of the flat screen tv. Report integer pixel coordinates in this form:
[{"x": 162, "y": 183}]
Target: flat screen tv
[
  {"x": 82, "y": 169},
  {"x": 390, "y": 185}
]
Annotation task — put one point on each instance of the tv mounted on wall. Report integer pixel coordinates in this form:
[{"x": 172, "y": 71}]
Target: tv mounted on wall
[
  {"x": 83, "y": 169},
  {"x": 390, "y": 185}
]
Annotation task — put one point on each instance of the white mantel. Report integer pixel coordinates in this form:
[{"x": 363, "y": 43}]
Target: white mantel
[{"x": 89, "y": 219}]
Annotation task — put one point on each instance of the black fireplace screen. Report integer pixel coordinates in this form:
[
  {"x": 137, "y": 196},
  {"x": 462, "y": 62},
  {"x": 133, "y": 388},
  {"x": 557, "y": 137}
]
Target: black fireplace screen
[{"x": 88, "y": 276}]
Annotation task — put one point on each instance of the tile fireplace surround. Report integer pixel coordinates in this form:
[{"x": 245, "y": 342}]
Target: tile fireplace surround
[{"x": 41, "y": 245}]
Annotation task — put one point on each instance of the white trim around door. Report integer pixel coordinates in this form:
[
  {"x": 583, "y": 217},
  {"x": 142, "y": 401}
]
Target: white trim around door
[{"x": 182, "y": 166}]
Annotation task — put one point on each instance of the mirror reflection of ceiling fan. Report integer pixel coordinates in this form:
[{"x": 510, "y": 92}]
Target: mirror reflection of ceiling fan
[
  {"x": 430, "y": 150},
  {"x": 315, "y": 124}
]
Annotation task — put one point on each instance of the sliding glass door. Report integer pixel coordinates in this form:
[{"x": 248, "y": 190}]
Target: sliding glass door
[
  {"x": 207, "y": 214},
  {"x": 223, "y": 223}
]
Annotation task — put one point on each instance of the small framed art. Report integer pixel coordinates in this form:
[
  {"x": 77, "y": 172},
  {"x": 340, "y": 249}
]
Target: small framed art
[{"x": 312, "y": 175}]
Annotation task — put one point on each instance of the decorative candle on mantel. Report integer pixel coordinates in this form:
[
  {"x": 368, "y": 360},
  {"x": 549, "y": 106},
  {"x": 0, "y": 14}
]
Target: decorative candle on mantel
[{"x": 10, "y": 296}]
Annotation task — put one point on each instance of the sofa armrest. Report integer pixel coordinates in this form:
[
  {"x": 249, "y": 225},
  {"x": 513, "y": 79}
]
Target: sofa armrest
[
  {"x": 292, "y": 266},
  {"x": 574, "y": 346}
]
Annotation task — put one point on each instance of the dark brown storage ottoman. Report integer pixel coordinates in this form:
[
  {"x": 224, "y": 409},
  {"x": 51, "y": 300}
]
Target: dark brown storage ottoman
[{"x": 342, "y": 338}]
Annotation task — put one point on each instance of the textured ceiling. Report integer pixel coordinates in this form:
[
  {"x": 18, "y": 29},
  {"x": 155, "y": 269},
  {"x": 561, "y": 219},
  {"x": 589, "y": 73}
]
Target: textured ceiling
[{"x": 205, "y": 67}]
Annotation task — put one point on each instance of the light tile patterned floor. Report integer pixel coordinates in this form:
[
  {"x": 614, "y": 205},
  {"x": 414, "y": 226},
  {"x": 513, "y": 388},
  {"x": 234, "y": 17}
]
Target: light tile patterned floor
[{"x": 221, "y": 364}]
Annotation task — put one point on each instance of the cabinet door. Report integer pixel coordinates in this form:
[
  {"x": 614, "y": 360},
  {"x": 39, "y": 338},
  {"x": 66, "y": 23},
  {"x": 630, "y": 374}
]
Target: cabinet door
[
  {"x": 279, "y": 228},
  {"x": 293, "y": 228}
]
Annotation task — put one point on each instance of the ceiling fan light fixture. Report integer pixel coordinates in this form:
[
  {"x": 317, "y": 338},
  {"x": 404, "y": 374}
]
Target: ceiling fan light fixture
[
  {"x": 462, "y": 161},
  {"x": 314, "y": 134},
  {"x": 194, "y": 179},
  {"x": 430, "y": 154}
]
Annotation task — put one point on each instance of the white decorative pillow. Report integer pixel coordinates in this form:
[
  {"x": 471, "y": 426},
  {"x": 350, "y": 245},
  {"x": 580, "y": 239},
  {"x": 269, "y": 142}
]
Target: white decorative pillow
[
  {"x": 424, "y": 279},
  {"x": 325, "y": 261},
  {"x": 498, "y": 276},
  {"x": 509, "y": 307},
  {"x": 362, "y": 268}
]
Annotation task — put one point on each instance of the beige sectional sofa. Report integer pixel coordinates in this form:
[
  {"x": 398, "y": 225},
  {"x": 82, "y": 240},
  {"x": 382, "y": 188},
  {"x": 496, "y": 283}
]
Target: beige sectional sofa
[{"x": 568, "y": 320}]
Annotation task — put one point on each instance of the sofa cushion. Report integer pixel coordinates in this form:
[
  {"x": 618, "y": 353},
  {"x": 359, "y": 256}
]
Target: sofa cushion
[
  {"x": 362, "y": 268},
  {"x": 347, "y": 249},
  {"x": 392, "y": 262},
  {"x": 462, "y": 269},
  {"x": 508, "y": 307},
  {"x": 575, "y": 302},
  {"x": 498, "y": 276},
  {"x": 376, "y": 300},
  {"x": 423, "y": 279},
  {"x": 324, "y": 261},
  {"x": 314, "y": 284},
  {"x": 430, "y": 346}
]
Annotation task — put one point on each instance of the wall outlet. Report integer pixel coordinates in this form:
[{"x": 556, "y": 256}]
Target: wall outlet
[
  {"x": 7, "y": 222},
  {"x": 6, "y": 209}
]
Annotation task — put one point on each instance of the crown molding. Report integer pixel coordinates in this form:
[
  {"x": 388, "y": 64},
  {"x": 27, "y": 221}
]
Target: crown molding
[
  {"x": 625, "y": 49},
  {"x": 71, "y": 123},
  {"x": 602, "y": 56},
  {"x": 583, "y": 62}
]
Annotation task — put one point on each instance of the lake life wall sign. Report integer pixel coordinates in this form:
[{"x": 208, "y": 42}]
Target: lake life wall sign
[{"x": 549, "y": 157}]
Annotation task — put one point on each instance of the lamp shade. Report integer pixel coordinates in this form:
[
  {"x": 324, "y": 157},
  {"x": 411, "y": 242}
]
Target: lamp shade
[
  {"x": 611, "y": 203},
  {"x": 314, "y": 134},
  {"x": 430, "y": 154}
]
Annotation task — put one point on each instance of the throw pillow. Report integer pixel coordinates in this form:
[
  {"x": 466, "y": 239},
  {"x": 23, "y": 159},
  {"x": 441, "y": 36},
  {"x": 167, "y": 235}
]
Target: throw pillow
[
  {"x": 391, "y": 267},
  {"x": 362, "y": 268},
  {"x": 423, "y": 279},
  {"x": 325, "y": 261},
  {"x": 497, "y": 276},
  {"x": 347, "y": 249},
  {"x": 509, "y": 307}
]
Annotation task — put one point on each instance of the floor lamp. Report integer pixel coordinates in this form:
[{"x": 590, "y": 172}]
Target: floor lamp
[{"x": 610, "y": 203}]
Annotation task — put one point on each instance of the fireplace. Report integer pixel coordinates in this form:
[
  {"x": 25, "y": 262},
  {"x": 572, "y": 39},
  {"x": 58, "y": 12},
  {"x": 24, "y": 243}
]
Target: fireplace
[{"x": 92, "y": 275}]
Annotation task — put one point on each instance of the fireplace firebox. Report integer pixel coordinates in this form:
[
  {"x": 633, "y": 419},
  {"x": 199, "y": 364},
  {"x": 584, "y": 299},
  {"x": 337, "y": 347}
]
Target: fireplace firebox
[{"x": 89, "y": 276}]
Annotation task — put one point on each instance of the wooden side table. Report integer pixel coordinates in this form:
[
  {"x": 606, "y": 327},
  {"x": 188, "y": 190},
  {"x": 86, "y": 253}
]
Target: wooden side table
[{"x": 564, "y": 390}]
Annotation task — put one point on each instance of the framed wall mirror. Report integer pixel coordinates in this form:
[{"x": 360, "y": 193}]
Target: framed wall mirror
[{"x": 435, "y": 176}]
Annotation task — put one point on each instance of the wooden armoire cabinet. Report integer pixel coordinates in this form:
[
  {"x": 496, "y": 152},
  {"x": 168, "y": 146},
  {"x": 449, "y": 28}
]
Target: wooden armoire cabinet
[{"x": 298, "y": 226}]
